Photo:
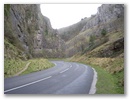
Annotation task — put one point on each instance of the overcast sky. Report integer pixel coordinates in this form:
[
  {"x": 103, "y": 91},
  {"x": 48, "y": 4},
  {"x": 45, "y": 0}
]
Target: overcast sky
[{"x": 62, "y": 15}]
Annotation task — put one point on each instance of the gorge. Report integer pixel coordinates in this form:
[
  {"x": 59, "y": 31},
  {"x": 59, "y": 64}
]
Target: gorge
[
  {"x": 36, "y": 38},
  {"x": 96, "y": 40}
]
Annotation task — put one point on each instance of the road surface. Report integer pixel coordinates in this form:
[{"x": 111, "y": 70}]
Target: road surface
[{"x": 63, "y": 78}]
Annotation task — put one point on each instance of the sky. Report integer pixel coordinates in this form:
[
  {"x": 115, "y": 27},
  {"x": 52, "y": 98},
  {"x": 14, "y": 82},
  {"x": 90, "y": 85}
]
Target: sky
[{"x": 62, "y": 15}]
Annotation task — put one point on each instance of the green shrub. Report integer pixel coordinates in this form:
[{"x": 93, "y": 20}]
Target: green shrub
[
  {"x": 103, "y": 32},
  {"x": 92, "y": 38},
  {"x": 46, "y": 32}
]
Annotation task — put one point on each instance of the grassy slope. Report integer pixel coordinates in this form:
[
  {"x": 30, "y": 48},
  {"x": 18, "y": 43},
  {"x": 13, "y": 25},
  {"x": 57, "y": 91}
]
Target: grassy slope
[
  {"x": 15, "y": 60},
  {"x": 110, "y": 69},
  {"x": 12, "y": 52},
  {"x": 12, "y": 59},
  {"x": 84, "y": 36},
  {"x": 11, "y": 67},
  {"x": 38, "y": 65},
  {"x": 109, "y": 81}
]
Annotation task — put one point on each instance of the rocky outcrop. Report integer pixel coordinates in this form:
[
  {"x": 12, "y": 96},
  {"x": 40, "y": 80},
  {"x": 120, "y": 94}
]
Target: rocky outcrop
[
  {"x": 31, "y": 31},
  {"x": 106, "y": 14}
]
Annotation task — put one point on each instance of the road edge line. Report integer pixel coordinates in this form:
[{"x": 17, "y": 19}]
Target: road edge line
[{"x": 93, "y": 85}]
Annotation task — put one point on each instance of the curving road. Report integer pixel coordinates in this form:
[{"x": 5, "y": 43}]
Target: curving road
[{"x": 64, "y": 78}]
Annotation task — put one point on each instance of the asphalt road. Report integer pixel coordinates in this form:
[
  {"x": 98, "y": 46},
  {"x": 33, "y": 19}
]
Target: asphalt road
[{"x": 64, "y": 78}]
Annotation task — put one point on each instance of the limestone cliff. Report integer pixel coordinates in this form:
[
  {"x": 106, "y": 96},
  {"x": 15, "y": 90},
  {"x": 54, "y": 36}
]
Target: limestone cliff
[{"x": 29, "y": 33}]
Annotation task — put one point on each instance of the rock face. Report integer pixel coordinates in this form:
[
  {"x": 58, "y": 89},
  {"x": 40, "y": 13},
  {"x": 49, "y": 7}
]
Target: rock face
[
  {"x": 29, "y": 33},
  {"x": 106, "y": 13},
  {"x": 32, "y": 31},
  {"x": 109, "y": 18}
]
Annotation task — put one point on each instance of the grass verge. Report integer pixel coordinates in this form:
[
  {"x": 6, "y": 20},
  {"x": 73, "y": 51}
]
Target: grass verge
[
  {"x": 11, "y": 67},
  {"x": 110, "y": 73},
  {"x": 38, "y": 65},
  {"x": 106, "y": 83}
]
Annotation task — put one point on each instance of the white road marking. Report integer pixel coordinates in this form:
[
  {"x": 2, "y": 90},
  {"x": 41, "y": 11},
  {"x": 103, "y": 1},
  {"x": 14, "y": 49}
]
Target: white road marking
[
  {"x": 93, "y": 85},
  {"x": 64, "y": 70},
  {"x": 70, "y": 66},
  {"x": 55, "y": 64},
  {"x": 27, "y": 84}
]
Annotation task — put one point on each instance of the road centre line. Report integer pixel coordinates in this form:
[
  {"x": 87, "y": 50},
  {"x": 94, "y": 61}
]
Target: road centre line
[
  {"x": 70, "y": 66},
  {"x": 27, "y": 84},
  {"x": 64, "y": 70}
]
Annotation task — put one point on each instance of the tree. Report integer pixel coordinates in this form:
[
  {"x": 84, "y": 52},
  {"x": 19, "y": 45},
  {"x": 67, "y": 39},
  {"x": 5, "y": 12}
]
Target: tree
[{"x": 103, "y": 32}]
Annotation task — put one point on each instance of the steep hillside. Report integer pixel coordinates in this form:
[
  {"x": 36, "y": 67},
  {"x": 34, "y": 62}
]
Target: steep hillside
[
  {"x": 106, "y": 58},
  {"x": 108, "y": 20},
  {"x": 100, "y": 44},
  {"x": 28, "y": 33},
  {"x": 67, "y": 33}
]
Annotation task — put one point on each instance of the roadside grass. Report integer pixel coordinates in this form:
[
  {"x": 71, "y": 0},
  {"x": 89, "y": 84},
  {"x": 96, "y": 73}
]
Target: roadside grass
[
  {"x": 119, "y": 80},
  {"x": 11, "y": 67},
  {"x": 110, "y": 73},
  {"x": 38, "y": 65},
  {"x": 106, "y": 82},
  {"x": 109, "y": 83}
]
